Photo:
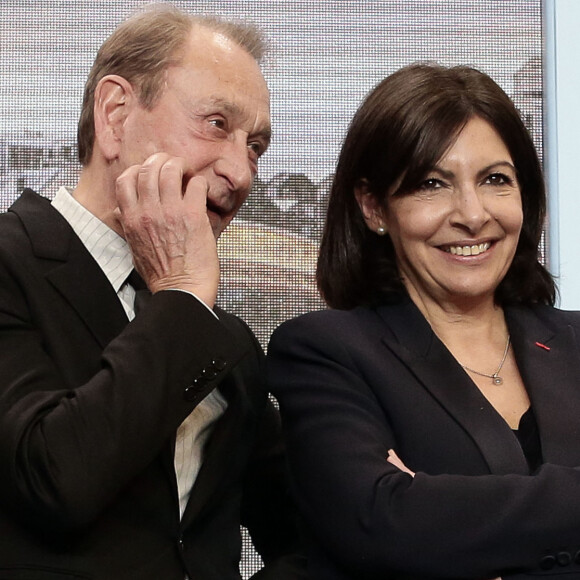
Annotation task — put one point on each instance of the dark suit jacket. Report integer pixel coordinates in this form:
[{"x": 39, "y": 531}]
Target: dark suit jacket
[
  {"x": 353, "y": 384},
  {"x": 89, "y": 407}
]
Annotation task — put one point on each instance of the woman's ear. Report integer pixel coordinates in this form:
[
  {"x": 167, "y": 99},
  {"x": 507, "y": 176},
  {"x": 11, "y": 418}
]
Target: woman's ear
[
  {"x": 371, "y": 209},
  {"x": 114, "y": 97}
]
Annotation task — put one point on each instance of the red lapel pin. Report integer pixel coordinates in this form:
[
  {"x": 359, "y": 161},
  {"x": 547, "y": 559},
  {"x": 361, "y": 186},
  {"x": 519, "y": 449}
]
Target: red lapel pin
[{"x": 542, "y": 346}]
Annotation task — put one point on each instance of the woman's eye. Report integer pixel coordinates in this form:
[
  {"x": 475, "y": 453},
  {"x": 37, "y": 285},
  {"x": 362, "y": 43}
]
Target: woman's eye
[
  {"x": 430, "y": 184},
  {"x": 498, "y": 179}
]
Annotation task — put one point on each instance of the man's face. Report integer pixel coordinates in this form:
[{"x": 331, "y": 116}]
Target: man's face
[{"x": 214, "y": 112}]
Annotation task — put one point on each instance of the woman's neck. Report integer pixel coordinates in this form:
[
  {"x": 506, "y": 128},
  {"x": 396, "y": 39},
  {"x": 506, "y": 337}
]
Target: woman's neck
[
  {"x": 475, "y": 332},
  {"x": 465, "y": 326}
]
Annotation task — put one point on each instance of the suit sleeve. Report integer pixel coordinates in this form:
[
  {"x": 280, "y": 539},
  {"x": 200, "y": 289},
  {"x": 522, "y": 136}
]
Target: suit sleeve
[
  {"x": 369, "y": 517},
  {"x": 268, "y": 510},
  {"x": 66, "y": 450}
]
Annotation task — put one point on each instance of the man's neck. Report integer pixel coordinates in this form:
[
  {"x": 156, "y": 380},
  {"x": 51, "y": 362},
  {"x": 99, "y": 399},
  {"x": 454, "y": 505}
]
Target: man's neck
[{"x": 96, "y": 192}]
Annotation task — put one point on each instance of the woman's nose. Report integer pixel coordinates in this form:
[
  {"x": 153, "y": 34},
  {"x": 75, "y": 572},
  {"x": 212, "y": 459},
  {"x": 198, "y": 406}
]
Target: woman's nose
[{"x": 470, "y": 211}]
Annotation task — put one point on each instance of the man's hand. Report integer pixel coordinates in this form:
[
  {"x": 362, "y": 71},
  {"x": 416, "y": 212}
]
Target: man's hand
[{"x": 164, "y": 219}]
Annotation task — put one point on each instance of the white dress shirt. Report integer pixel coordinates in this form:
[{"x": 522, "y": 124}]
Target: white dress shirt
[{"x": 113, "y": 255}]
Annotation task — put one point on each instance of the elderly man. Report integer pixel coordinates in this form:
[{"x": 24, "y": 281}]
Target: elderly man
[{"x": 135, "y": 429}]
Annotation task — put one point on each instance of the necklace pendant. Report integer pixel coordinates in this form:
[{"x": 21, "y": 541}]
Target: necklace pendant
[{"x": 497, "y": 380}]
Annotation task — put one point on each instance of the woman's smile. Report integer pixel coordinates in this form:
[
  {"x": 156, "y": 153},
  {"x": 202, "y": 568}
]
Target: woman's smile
[
  {"x": 467, "y": 250},
  {"x": 455, "y": 235}
]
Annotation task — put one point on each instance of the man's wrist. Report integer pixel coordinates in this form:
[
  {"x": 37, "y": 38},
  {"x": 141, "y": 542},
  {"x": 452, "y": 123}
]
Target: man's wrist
[{"x": 200, "y": 300}]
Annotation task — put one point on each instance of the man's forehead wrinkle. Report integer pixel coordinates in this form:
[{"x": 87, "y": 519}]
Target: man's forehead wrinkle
[
  {"x": 213, "y": 102},
  {"x": 225, "y": 104},
  {"x": 209, "y": 102}
]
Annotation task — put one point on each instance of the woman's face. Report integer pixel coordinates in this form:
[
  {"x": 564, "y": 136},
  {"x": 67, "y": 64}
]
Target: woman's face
[{"x": 456, "y": 235}]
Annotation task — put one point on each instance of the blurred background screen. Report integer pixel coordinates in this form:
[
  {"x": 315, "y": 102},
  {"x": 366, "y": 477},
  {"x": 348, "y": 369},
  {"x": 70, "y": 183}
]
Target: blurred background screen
[{"x": 325, "y": 56}]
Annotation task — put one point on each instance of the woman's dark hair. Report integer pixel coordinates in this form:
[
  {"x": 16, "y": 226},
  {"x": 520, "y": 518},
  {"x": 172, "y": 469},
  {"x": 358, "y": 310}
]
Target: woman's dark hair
[{"x": 399, "y": 133}]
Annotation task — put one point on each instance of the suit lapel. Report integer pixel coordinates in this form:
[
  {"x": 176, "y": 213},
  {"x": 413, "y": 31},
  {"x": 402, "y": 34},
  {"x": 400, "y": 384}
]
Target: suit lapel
[
  {"x": 549, "y": 362},
  {"x": 89, "y": 293},
  {"x": 69, "y": 267},
  {"x": 415, "y": 344}
]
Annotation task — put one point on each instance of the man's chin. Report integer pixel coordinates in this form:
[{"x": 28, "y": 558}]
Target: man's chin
[{"x": 218, "y": 225}]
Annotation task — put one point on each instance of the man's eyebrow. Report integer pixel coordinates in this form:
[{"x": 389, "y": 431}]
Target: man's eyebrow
[
  {"x": 225, "y": 105},
  {"x": 265, "y": 134},
  {"x": 233, "y": 109}
]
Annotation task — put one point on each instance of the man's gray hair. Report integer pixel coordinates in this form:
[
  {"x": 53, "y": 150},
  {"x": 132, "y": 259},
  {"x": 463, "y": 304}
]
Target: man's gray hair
[{"x": 143, "y": 47}]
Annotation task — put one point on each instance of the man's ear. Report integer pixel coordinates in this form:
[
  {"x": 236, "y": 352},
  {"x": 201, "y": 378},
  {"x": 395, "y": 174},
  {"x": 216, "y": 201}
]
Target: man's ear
[
  {"x": 114, "y": 97},
  {"x": 370, "y": 207}
]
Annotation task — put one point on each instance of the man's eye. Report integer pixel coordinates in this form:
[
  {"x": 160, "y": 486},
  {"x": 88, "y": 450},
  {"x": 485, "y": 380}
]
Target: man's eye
[
  {"x": 218, "y": 123},
  {"x": 256, "y": 149}
]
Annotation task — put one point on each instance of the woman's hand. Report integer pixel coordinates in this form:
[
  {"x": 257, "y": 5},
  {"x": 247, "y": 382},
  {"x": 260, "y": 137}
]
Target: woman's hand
[{"x": 397, "y": 462}]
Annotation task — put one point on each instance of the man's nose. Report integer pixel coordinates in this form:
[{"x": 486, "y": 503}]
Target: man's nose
[{"x": 235, "y": 165}]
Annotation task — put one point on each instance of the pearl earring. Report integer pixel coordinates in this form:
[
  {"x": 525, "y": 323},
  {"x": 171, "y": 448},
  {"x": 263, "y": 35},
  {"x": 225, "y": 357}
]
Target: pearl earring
[{"x": 381, "y": 230}]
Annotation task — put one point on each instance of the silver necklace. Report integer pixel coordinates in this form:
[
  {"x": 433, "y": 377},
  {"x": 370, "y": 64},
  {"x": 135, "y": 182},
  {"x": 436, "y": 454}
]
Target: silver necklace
[{"x": 496, "y": 379}]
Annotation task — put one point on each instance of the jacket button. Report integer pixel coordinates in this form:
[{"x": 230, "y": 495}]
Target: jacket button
[
  {"x": 190, "y": 394},
  {"x": 219, "y": 364},
  {"x": 564, "y": 558},
  {"x": 209, "y": 373},
  {"x": 547, "y": 562}
]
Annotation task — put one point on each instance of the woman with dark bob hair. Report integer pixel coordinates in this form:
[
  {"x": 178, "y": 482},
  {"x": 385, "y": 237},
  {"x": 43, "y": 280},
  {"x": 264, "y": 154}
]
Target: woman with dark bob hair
[{"x": 431, "y": 414}]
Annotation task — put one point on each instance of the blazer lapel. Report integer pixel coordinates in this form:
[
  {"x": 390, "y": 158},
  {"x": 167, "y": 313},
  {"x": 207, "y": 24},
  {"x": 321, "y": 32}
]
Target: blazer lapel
[
  {"x": 549, "y": 362},
  {"x": 417, "y": 346},
  {"x": 70, "y": 268}
]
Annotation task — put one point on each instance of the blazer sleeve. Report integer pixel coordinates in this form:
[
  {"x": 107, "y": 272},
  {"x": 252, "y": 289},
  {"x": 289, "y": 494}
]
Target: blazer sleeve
[
  {"x": 371, "y": 518},
  {"x": 66, "y": 450}
]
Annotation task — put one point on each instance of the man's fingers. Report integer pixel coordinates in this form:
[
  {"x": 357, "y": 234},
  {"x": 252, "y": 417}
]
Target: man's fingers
[
  {"x": 126, "y": 188},
  {"x": 159, "y": 179},
  {"x": 169, "y": 184},
  {"x": 195, "y": 194},
  {"x": 165, "y": 221}
]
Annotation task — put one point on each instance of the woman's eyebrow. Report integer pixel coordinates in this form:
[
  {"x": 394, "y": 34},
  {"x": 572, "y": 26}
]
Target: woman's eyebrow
[{"x": 496, "y": 165}]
